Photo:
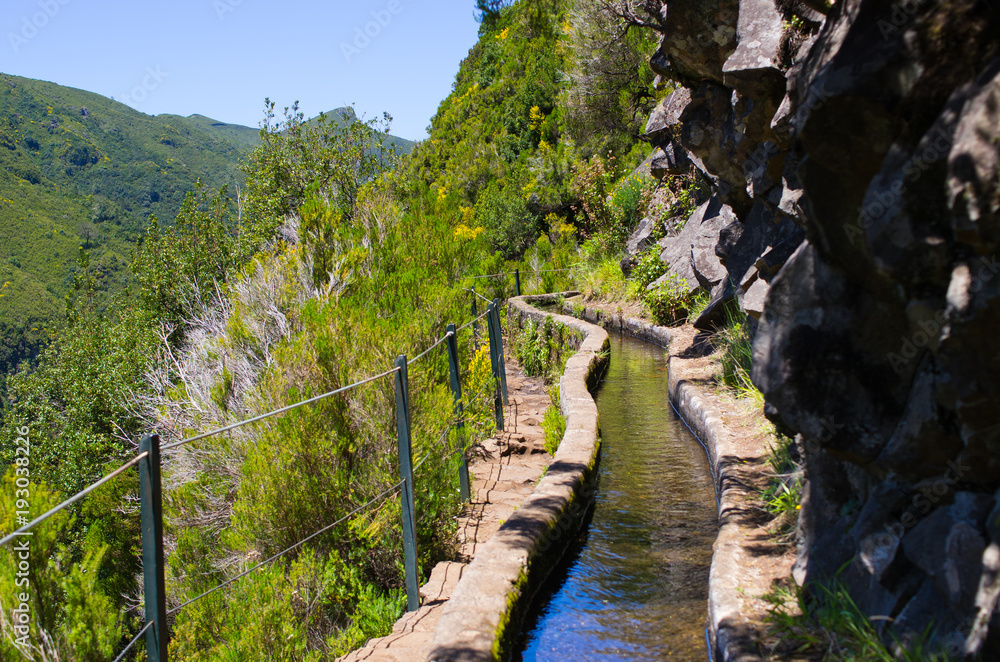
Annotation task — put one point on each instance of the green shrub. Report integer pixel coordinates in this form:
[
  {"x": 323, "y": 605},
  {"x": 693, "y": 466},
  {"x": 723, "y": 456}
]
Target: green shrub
[
  {"x": 534, "y": 347},
  {"x": 647, "y": 269},
  {"x": 510, "y": 227},
  {"x": 601, "y": 272},
  {"x": 72, "y": 617},
  {"x": 543, "y": 348},
  {"x": 629, "y": 202},
  {"x": 668, "y": 302}
]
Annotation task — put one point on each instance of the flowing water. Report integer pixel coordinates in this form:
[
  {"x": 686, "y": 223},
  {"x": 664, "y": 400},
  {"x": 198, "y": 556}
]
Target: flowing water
[{"x": 636, "y": 585}]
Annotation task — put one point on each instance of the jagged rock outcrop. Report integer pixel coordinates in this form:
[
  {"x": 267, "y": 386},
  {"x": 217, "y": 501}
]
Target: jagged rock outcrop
[{"x": 857, "y": 149}]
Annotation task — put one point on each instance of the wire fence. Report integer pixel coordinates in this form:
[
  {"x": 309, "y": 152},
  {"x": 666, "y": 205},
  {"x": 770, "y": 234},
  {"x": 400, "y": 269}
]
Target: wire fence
[
  {"x": 269, "y": 414},
  {"x": 275, "y": 557},
  {"x": 149, "y": 458},
  {"x": 73, "y": 499},
  {"x": 502, "y": 274},
  {"x": 135, "y": 639}
]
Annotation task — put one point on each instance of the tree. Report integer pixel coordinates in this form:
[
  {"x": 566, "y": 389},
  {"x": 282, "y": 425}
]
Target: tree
[
  {"x": 489, "y": 12},
  {"x": 181, "y": 268},
  {"x": 609, "y": 89},
  {"x": 322, "y": 162}
]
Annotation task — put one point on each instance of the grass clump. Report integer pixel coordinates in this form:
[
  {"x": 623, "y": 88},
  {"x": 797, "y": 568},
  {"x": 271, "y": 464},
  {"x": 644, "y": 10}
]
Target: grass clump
[
  {"x": 554, "y": 424},
  {"x": 825, "y": 623},
  {"x": 783, "y": 495},
  {"x": 736, "y": 355}
]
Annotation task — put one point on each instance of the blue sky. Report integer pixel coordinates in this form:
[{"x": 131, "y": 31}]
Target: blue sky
[{"x": 221, "y": 58}]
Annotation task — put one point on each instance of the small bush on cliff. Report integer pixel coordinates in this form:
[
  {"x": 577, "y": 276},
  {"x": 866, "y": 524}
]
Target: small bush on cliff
[
  {"x": 668, "y": 302},
  {"x": 648, "y": 268}
]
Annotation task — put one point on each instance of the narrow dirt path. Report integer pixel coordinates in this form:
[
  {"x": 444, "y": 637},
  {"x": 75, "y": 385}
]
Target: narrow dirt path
[{"x": 505, "y": 469}]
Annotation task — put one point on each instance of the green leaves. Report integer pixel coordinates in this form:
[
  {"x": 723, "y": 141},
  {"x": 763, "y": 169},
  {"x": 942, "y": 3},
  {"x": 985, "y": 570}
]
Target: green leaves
[
  {"x": 72, "y": 616},
  {"x": 511, "y": 228},
  {"x": 669, "y": 301},
  {"x": 554, "y": 424}
]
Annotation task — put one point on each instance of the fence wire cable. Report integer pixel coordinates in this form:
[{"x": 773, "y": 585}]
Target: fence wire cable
[
  {"x": 468, "y": 401},
  {"x": 468, "y": 324},
  {"x": 532, "y": 271},
  {"x": 134, "y": 640},
  {"x": 436, "y": 444},
  {"x": 478, "y": 295},
  {"x": 73, "y": 499},
  {"x": 282, "y": 553},
  {"x": 278, "y": 411},
  {"x": 428, "y": 350}
]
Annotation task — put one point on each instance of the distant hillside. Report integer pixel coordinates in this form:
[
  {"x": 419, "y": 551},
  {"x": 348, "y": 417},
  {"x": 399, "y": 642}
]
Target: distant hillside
[
  {"x": 79, "y": 170},
  {"x": 247, "y": 138},
  {"x": 346, "y": 115},
  {"x": 244, "y": 137}
]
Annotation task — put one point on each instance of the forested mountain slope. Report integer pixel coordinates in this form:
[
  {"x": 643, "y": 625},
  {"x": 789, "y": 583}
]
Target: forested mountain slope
[{"x": 78, "y": 170}]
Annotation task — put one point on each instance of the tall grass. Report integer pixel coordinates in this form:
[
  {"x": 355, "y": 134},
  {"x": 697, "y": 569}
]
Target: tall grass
[
  {"x": 736, "y": 355},
  {"x": 825, "y": 623}
]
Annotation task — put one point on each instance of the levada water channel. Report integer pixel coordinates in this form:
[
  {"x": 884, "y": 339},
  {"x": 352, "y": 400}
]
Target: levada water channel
[{"x": 635, "y": 584}]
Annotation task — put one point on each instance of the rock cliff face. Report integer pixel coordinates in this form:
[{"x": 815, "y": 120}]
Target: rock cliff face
[{"x": 854, "y": 152}]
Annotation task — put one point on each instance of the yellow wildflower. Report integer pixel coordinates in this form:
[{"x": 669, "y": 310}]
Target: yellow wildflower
[
  {"x": 464, "y": 232},
  {"x": 536, "y": 117}
]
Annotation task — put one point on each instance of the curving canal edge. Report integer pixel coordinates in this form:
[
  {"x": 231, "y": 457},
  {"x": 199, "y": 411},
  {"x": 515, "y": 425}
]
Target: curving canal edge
[{"x": 482, "y": 618}]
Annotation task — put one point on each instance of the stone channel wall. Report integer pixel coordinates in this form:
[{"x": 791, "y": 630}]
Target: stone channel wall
[{"x": 482, "y": 619}]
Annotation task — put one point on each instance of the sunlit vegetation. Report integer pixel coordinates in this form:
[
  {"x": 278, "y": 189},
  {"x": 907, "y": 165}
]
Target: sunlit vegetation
[
  {"x": 313, "y": 266},
  {"x": 78, "y": 170}
]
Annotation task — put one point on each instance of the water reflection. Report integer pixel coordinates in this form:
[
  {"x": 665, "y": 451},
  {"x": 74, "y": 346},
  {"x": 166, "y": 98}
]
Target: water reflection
[{"x": 636, "y": 586}]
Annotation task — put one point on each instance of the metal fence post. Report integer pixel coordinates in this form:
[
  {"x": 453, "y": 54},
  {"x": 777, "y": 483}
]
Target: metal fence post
[
  {"x": 456, "y": 390},
  {"x": 491, "y": 325},
  {"x": 151, "y": 513},
  {"x": 475, "y": 319},
  {"x": 500, "y": 359},
  {"x": 406, "y": 475},
  {"x": 517, "y": 281}
]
